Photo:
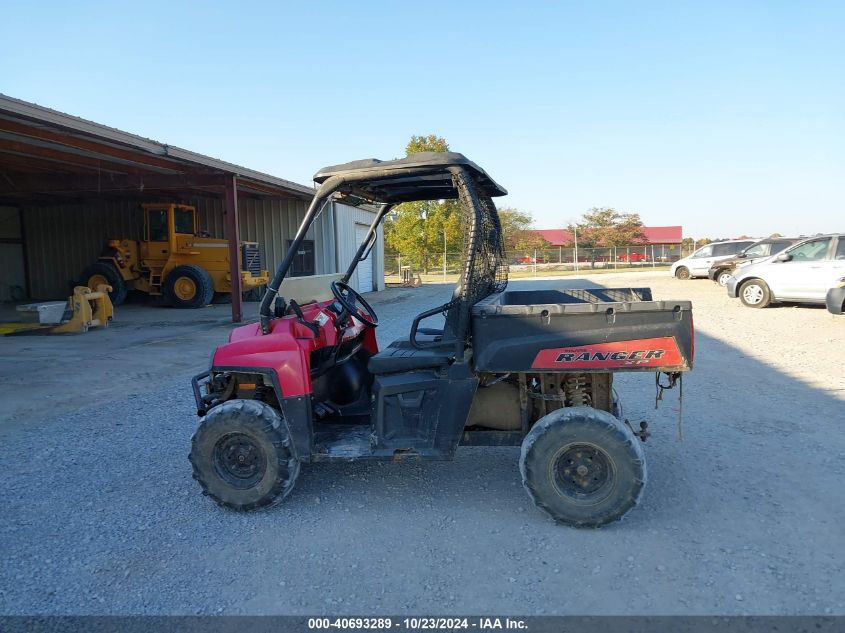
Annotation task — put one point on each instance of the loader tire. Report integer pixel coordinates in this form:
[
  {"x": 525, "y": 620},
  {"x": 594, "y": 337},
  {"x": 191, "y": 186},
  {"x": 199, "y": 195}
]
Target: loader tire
[
  {"x": 242, "y": 455},
  {"x": 188, "y": 286},
  {"x": 583, "y": 467},
  {"x": 103, "y": 272}
]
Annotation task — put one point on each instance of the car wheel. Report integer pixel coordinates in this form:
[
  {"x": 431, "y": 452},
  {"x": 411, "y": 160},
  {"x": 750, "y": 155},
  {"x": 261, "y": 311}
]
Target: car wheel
[
  {"x": 682, "y": 272},
  {"x": 723, "y": 277},
  {"x": 755, "y": 294}
]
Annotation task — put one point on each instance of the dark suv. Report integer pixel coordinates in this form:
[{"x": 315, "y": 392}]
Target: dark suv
[{"x": 722, "y": 270}]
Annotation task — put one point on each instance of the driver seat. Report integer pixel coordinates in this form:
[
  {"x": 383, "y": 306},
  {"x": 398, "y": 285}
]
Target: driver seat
[
  {"x": 401, "y": 355},
  {"x": 395, "y": 360}
]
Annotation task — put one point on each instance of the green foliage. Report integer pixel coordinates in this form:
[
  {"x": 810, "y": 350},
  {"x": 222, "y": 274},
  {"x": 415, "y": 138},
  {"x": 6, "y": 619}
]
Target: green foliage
[
  {"x": 518, "y": 232},
  {"x": 418, "y": 228},
  {"x": 690, "y": 245},
  {"x": 606, "y": 227},
  {"x": 430, "y": 143}
]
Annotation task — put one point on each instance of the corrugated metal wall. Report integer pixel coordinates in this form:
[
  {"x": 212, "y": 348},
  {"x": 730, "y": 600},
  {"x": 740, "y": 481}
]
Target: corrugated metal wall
[
  {"x": 345, "y": 219},
  {"x": 62, "y": 240},
  {"x": 272, "y": 223},
  {"x": 12, "y": 275}
]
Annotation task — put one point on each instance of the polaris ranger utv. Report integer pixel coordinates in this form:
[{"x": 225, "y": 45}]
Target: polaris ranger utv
[{"x": 308, "y": 383}]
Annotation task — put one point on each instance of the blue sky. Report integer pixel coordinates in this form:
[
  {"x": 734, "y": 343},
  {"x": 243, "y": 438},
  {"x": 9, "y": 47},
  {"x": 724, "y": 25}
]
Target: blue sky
[{"x": 726, "y": 117}]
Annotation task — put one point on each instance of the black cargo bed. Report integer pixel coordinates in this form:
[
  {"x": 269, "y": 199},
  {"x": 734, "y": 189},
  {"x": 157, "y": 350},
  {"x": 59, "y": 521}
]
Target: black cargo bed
[{"x": 584, "y": 330}]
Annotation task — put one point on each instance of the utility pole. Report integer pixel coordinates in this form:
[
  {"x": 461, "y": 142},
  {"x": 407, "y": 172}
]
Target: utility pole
[
  {"x": 575, "y": 231},
  {"x": 444, "y": 252}
]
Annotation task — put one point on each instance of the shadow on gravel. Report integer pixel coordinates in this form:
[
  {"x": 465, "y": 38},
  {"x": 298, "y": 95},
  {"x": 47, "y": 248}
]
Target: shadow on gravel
[{"x": 742, "y": 517}]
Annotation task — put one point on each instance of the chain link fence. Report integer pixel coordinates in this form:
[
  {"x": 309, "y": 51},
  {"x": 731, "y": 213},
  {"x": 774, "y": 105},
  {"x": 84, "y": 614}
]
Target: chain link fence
[{"x": 539, "y": 262}]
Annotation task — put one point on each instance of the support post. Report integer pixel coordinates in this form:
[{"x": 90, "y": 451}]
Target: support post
[
  {"x": 233, "y": 234},
  {"x": 444, "y": 254}
]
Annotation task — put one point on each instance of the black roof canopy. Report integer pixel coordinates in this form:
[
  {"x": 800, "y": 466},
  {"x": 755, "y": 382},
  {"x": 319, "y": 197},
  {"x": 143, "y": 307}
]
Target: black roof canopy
[{"x": 422, "y": 176}]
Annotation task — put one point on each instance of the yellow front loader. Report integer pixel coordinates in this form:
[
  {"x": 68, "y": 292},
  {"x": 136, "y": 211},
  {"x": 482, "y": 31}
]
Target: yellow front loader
[{"x": 173, "y": 260}]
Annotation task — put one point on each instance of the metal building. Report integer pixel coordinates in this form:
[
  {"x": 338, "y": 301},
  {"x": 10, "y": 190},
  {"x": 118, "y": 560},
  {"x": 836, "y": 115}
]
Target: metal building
[{"x": 67, "y": 185}]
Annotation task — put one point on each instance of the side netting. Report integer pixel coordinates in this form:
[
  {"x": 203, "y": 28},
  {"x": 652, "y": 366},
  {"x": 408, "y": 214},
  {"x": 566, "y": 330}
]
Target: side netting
[{"x": 484, "y": 269}]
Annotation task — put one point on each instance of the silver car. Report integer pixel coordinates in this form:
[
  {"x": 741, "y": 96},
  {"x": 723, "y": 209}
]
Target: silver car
[
  {"x": 802, "y": 273},
  {"x": 698, "y": 264}
]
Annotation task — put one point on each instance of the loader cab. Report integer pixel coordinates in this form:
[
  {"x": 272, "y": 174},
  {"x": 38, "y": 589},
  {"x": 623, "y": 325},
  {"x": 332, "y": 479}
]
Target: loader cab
[
  {"x": 164, "y": 224},
  {"x": 163, "y": 221}
]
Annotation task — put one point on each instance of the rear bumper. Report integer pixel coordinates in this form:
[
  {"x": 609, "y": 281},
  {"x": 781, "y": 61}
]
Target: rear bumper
[
  {"x": 732, "y": 287},
  {"x": 835, "y": 300}
]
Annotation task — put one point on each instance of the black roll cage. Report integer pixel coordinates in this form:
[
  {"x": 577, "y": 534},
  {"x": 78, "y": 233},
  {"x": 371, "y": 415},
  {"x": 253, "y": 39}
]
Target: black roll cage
[{"x": 418, "y": 177}]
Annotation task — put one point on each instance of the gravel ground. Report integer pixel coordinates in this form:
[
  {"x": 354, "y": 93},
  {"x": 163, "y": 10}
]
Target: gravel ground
[{"x": 744, "y": 516}]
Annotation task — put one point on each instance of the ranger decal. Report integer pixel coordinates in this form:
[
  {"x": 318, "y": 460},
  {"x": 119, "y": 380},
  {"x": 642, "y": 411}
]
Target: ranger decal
[{"x": 651, "y": 352}]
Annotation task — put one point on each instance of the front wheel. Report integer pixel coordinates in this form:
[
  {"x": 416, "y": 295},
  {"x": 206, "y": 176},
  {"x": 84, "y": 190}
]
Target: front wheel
[
  {"x": 188, "y": 286},
  {"x": 755, "y": 294},
  {"x": 583, "y": 467},
  {"x": 722, "y": 277},
  {"x": 242, "y": 455},
  {"x": 105, "y": 273},
  {"x": 682, "y": 273}
]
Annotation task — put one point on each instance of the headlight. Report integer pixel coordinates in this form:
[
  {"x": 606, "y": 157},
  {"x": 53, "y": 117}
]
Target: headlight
[{"x": 840, "y": 283}]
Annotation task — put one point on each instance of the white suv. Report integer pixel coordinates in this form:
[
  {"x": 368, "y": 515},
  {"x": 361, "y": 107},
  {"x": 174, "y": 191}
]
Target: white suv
[
  {"x": 698, "y": 264},
  {"x": 802, "y": 273}
]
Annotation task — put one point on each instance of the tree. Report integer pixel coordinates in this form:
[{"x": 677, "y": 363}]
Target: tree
[
  {"x": 518, "y": 232},
  {"x": 689, "y": 245},
  {"x": 430, "y": 143},
  {"x": 606, "y": 227},
  {"x": 417, "y": 229}
]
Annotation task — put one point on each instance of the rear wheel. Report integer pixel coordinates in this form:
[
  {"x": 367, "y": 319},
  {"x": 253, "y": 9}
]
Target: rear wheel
[
  {"x": 755, "y": 294},
  {"x": 682, "y": 272},
  {"x": 583, "y": 466},
  {"x": 188, "y": 286},
  {"x": 106, "y": 273},
  {"x": 242, "y": 455}
]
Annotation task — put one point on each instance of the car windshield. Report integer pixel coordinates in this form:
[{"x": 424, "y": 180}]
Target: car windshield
[
  {"x": 810, "y": 251},
  {"x": 756, "y": 250}
]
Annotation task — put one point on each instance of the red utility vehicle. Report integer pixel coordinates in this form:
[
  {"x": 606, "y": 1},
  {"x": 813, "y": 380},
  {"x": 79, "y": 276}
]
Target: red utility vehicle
[{"x": 506, "y": 367}]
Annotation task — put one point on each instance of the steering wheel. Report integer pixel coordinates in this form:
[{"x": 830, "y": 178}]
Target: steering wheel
[{"x": 342, "y": 292}]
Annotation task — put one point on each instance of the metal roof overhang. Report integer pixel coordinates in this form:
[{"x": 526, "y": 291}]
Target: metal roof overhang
[{"x": 48, "y": 156}]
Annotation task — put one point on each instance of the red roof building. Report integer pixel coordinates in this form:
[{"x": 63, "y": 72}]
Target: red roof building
[{"x": 654, "y": 235}]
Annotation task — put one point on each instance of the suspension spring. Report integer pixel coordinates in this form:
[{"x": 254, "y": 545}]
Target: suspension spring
[{"x": 577, "y": 394}]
